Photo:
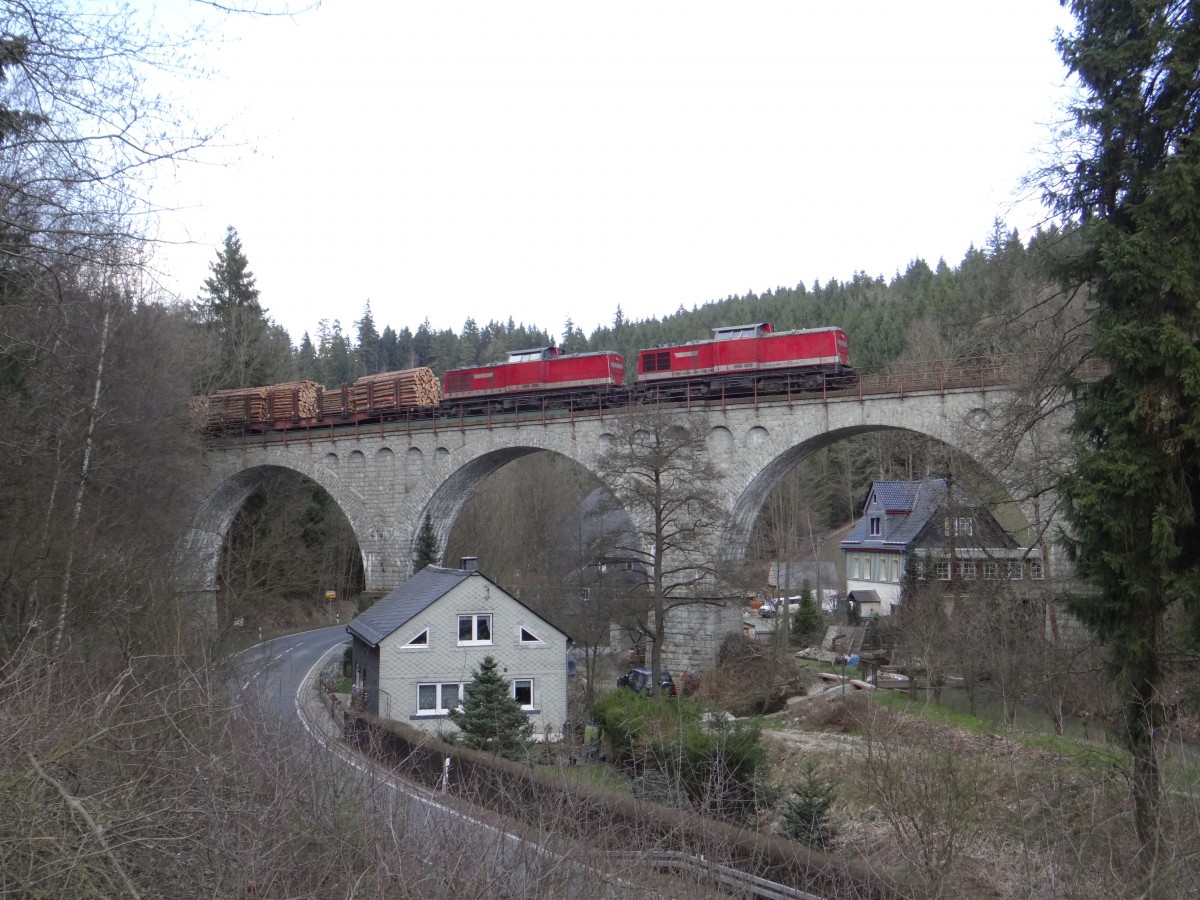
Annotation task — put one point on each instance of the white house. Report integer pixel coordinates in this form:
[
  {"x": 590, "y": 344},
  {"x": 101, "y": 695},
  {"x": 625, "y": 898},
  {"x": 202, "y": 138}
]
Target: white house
[
  {"x": 416, "y": 648},
  {"x": 939, "y": 532}
]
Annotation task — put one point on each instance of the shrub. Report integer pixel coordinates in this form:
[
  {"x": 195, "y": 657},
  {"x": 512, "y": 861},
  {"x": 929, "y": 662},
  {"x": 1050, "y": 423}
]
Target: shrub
[
  {"x": 806, "y": 816},
  {"x": 714, "y": 761}
]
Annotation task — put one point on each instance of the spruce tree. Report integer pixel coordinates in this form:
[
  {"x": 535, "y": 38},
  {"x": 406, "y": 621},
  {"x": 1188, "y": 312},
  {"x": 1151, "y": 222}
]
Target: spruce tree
[
  {"x": 244, "y": 348},
  {"x": 427, "y": 546},
  {"x": 1132, "y": 185},
  {"x": 807, "y": 621},
  {"x": 231, "y": 283},
  {"x": 806, "y": 814},
  {"x": 490, "y": 718}
]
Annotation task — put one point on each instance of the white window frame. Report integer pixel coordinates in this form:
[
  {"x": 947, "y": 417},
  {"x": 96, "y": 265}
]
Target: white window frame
[
  {"x": 941, "y": 570},
  {"x": 1036, "y": 570},
  {"x": 991, "y": 570},
  {"x": 440, "y": 708},
  {"x": 919, "y": 569},
  {"x": 1016, "y": 570},
  {"x": 963, "y": 526},
  {"x": 424, "y": 645},
  {"x": 875, "y": 526},
  {"x": 532, "y": 696},
  {"x": 528, "y": 638},
  {"x": 966, "y": 569},
  {"x": 475, "y": 640}
]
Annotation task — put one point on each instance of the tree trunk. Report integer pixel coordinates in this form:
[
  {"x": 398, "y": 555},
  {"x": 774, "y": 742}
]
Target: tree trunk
[{"x": 84, "y": 473}]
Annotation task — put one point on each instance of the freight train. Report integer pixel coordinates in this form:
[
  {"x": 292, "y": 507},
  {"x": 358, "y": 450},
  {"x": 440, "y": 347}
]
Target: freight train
[{"x": 741, "y": 361}]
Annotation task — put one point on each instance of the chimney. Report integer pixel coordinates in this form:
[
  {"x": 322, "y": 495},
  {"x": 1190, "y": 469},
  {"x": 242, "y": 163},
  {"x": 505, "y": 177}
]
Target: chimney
[{"x": 469, "y": 563}]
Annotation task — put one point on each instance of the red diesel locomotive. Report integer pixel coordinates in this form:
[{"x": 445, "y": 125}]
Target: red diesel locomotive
[
  {"x": 748, "y": 359},
  {"x": 544, "y": 377}
]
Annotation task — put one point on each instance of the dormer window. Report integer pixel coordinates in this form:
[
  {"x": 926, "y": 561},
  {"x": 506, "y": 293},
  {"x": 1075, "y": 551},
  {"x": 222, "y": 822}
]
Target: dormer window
[
  {"x": 876, "y": 526},
  {"x": 959, "y": 526}
]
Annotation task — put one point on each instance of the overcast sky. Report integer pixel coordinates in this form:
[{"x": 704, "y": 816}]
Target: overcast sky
[{"x": 546, "y": 160}]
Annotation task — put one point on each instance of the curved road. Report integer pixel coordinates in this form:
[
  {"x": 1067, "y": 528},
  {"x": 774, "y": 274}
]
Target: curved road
[{"x": 281, "y": 674}]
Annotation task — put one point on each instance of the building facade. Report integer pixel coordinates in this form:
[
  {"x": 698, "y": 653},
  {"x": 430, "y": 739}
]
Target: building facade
[
  {"x": 932, "y": 531},
  {"x": 414, "y": 650}
]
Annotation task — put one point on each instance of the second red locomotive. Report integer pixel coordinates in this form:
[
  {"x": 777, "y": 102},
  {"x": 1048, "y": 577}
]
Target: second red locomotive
[{"x": 748, "y": 359}]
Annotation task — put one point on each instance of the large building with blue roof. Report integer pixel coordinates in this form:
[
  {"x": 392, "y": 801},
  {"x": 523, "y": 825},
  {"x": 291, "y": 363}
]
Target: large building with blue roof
[{"x": 935, "y": 530}]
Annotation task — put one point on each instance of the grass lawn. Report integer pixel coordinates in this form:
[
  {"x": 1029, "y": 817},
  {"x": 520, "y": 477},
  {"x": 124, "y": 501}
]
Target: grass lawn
[{"x": 596, "y": 775}]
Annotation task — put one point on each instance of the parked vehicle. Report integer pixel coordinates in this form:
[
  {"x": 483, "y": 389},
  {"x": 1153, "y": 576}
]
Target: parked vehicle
[{"x": 639, "y": 680}]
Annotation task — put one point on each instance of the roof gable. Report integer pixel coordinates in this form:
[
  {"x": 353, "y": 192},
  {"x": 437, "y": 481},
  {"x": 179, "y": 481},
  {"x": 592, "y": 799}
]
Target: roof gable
[
  {"x": 407, "y": 600},
  {"x": 907, "y": 508}
]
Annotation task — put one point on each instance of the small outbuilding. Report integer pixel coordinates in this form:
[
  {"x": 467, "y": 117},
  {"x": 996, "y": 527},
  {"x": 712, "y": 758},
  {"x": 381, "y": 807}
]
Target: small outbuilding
[{"x": 415, "y": 649}]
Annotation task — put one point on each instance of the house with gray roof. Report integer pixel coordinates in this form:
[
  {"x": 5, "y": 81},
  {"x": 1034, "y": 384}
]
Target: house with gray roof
[
  {"x": 415, "y": 649},
  {"x": 939, "y": 532}
]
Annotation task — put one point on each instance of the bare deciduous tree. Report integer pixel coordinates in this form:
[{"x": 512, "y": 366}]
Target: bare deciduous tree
[{"x": 656, "y": 468}]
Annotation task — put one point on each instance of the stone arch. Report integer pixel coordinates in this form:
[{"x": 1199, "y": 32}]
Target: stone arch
[
  {"x": 749, "y": 503},
  {"x": 215, "y": 513},
  {"x": 448, "y": 494}
]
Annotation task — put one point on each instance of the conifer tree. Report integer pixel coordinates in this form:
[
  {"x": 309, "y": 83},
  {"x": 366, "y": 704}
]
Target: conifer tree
[
  {"x": 1131, "y": 183},
  {"x": 244, "y": 348},
  {"x": 427, "y": 546},
  {"x": 368, "y": 349},
  {"x": 490, "y": 717},
  {"x": 231, "y": 283},
  {"x": 806, "y": 814}
]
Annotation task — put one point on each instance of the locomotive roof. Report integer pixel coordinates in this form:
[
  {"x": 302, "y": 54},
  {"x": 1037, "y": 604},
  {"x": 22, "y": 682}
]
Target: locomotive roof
[{"x": 714, "y": 338}]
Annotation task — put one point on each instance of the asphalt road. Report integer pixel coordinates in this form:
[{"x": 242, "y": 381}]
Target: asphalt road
[{"x": 277, "y": 678}]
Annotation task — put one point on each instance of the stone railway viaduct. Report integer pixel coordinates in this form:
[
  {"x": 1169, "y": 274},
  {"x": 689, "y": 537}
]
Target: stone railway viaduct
[{"x": 386, "y": 477}]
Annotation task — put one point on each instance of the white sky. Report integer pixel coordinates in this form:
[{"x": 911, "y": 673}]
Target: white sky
[{"x": 550, "y": 159}]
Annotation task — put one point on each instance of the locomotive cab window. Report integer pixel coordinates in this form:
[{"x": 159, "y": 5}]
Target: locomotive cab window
[{"x": 659, "y": 361}]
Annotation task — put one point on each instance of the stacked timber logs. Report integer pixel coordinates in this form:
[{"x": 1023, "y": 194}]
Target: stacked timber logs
[
  {"x": 338, "y": 401},
  {"x": 299, "y": 401},
  {"x": 238, "y": 406},
  {"x": 408, "y": 389},
  {"x": 292, "y": 400}
]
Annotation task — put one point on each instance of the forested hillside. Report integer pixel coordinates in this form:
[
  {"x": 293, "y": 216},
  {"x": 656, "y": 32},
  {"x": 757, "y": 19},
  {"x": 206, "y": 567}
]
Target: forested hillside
[{"x": 925, "y": 312}]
